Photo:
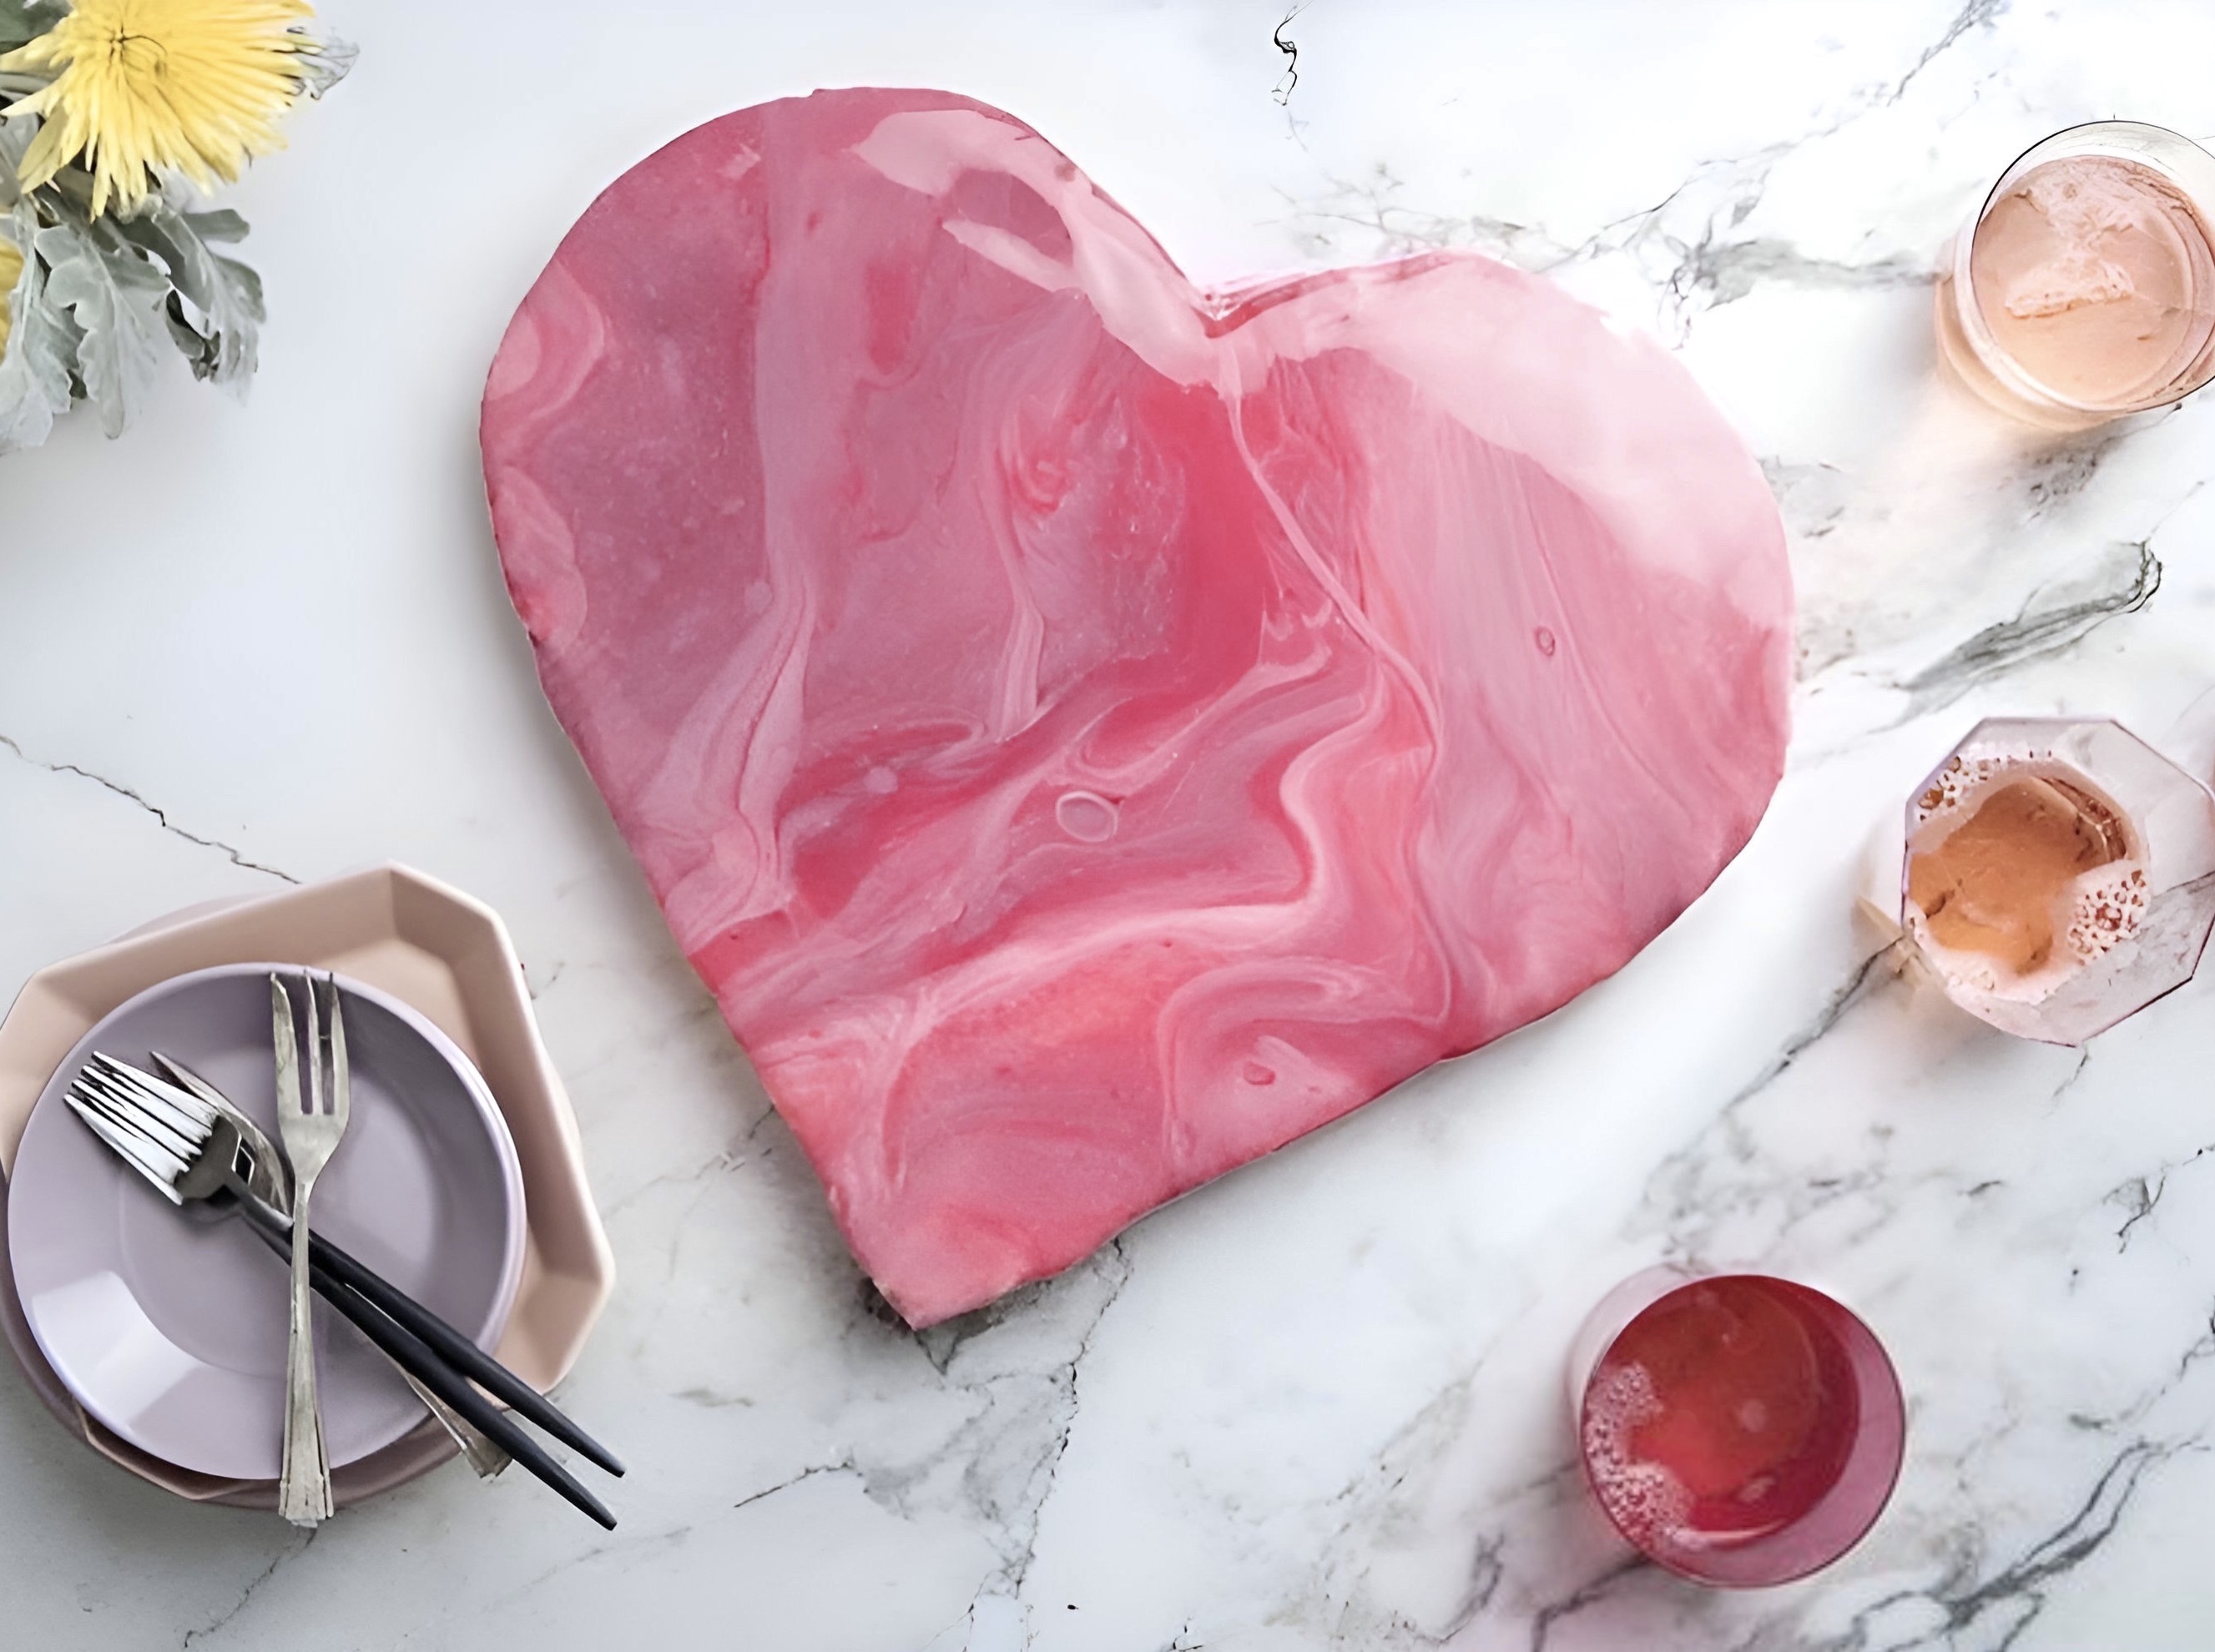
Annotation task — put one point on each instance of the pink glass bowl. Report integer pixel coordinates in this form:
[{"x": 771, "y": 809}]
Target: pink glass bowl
[{"x": 1737, "y": 1429}]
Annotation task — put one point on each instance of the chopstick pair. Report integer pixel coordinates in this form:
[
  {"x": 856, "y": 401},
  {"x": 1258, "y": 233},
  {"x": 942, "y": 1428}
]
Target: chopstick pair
[{"x": 187, "y": 1139}]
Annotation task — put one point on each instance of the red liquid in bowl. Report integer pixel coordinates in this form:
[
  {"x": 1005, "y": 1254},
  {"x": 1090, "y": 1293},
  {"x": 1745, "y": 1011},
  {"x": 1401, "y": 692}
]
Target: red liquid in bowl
[{"x": 1742, "y": 1429}]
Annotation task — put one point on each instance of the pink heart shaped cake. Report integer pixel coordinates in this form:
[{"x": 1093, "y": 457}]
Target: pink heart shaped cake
[{"x": 1087, "y": 730}]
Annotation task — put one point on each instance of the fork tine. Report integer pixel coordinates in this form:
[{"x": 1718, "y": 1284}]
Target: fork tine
[
  {"x": 86, "y": 1097},
  {"x": 183, "y": 1133},
  {"x": 288, "y": 1055},
  {"x": 185, "y": 1114},
  {"x": 177, "y": 1095},
  {"x": 127, "y": 1147},
  {"x": 150, "y": 1159},
  {"x": 163, "y": 1148},
  {"x": 130, "y": 1150},
  {"x": 339, "y": 1083},
  {"x": 119, "y": 1103},
  {"x": 313, "y": 1047}
]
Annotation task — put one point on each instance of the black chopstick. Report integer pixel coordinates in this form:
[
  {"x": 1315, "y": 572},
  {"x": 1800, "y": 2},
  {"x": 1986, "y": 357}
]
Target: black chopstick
[
  {"x": 413, "y": 1356},
  {"x": 459, "y": 1350},
  {"x": 409, "y": 1352}
]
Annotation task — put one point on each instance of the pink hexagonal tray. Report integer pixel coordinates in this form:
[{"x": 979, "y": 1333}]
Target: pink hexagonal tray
[{"x": 450, "y": 958}]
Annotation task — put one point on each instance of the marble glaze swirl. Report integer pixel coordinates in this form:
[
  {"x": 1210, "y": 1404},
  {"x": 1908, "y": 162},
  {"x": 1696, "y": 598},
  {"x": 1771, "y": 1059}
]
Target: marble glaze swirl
[{"x": 1089, "y": 732}]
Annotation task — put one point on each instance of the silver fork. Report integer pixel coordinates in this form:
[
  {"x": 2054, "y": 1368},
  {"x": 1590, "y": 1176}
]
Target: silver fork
[
  {"x": 267, "y": 1180},
  {"x": 311, "y": 1135},
  {"x": 193, "y": 1152}
]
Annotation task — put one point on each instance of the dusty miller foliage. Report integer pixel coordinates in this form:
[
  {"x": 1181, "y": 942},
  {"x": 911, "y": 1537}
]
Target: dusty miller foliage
[{"x": 101, "y": 300}]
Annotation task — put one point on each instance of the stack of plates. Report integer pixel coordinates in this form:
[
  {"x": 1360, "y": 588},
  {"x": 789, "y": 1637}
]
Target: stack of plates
[{"x": 159, "y": 1334}]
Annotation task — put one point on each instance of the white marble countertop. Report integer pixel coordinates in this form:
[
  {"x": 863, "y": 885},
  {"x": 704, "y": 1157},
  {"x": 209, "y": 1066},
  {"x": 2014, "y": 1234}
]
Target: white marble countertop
[{"x": 1319, "y": 1405}]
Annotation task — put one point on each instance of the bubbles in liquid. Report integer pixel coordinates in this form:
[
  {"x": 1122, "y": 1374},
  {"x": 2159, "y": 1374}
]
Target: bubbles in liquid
[
  {"x": 2108, "y": 911},
  {"x": 1719, "y": 1416},
  {"x": 1087, "y": 817},
  {"x": 1650, "y": 1504},
  {"x": 2020, "y": 872},
  {"x": 1718, "y": 1428}
]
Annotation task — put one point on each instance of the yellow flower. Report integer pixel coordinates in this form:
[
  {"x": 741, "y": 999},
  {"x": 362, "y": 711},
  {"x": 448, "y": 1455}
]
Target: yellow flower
[
  {"x": 149, "y": 86},
  {"x": 12, "y": 267}
]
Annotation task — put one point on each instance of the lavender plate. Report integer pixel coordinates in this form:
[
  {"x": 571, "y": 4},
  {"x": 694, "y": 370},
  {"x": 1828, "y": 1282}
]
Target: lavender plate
[{"x": 169, "y": 1326}]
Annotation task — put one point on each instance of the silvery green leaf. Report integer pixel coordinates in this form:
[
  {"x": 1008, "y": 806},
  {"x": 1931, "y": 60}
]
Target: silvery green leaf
[
  {"x": 221, "y": 225},
  {"x": 14, "y": 137},
  {"x": 25, "y": 20},
  {"x": 218, "y": 332},
  {"x": 323, "y": 67},
  {"x": 39, "y": 366},
  {"x": 116, "y": 295}
]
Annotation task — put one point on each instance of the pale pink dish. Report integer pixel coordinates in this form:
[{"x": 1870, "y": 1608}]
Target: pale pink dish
[
  {"x": 169, "y": 1326},
  {"x": 1086, "y": 730},
  {"x": 450, "y": 958}
]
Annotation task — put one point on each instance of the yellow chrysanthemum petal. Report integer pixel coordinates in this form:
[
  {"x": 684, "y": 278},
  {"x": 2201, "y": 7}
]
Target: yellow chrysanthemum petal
[
  {"x": 146, "y": 86},
  {"x": 11, "y": 269}
]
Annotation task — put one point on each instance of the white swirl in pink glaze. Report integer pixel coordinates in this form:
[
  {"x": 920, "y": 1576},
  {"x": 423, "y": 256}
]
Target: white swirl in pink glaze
[{"x": 1088, "y": 732}]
